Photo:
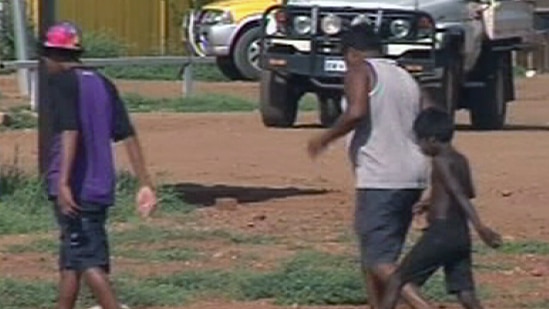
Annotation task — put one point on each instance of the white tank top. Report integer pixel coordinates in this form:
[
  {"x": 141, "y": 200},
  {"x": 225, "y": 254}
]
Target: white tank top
[{"x": 383, "y": 149}]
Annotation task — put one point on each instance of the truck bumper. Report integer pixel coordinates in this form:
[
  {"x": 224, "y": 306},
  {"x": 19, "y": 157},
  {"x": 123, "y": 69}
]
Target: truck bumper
[{"x": 327, "y": 71}]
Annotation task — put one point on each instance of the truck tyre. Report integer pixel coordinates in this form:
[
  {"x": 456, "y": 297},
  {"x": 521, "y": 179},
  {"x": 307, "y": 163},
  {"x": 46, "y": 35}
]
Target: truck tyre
[
  {"x": 489, "y": 108},
  {"x": 278, "y": 100},
  {"x": 451, "y": 86},
  {"x": 329, "y": 109},
  {"x": 246, "y": 53},
  {"x": 228, "y": 68},
  {"x": 447, "y": 95}
]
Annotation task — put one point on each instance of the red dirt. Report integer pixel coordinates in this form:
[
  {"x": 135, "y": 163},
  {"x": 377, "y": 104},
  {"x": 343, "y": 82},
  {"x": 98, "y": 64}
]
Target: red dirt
[{"x": 309, "y": 204}]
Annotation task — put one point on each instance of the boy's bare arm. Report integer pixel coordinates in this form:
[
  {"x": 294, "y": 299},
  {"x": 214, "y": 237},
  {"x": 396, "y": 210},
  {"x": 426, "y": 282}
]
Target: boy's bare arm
[
  {"x": 69, "y": 140},
  {"x": 137, "y": 160},
  {"x": 453, "y": 186}
]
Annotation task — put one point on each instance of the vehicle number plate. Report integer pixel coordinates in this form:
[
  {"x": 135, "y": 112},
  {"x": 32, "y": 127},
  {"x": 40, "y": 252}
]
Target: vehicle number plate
[{"x": 334, "y": 65}]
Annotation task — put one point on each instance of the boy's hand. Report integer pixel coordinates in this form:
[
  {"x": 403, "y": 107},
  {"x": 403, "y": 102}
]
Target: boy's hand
[
  {"x": 66, "y": 201},
  {"x": 489, "y": 237},
  {"x": 419, "y": 221},
  {"x": 146, "y": 201},
  {"x": 315, "y": 146},
  {"x": 421, "y": 207}
]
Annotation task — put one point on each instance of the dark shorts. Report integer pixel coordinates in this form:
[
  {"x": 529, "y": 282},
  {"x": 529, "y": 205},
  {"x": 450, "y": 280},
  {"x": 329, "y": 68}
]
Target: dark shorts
[
  {"x": 83, "y": 239},
  {"x": 442, "y": 245},
  {"x": 382, "y": 220}
]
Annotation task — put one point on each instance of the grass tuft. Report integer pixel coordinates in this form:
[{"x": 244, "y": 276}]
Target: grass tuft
[
  {"x": 25, "y": 208},
  {"x": 201, "y": 72},
  {"x": 308, "y": 278}
]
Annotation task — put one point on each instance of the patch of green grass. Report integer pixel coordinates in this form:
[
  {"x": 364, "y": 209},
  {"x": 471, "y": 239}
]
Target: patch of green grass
[
  {"x": 42, "y": 245},
  {"x": 525, "y": 247},
  {"x": 18, "y": 294},
  {"x": 208, "y": 103},
  {"x": 237, "y": 238},
  {"x": 519, "y": 71},
  {"x": 197, "y": 104},
  {"x": 170, "y": 254},
  {"x": 201, "y": 72},
  {"x": 153, "y": 234},
  {"x": 491, "y": 267},
  {"x": 24, "y": 206},
  {"x": 313, "y": 278},
  {"x": 308, "y": 278},
  {"x": 515, "y": 248},
  {"x": 308, "y": 103},
  {"x": 20, "y": 118},
  {"x": 127, "y": 186}
]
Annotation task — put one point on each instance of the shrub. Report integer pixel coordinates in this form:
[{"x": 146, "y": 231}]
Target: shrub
[
  {"x": 7, "y": 33},
  {"x": 102, "y": 45}
]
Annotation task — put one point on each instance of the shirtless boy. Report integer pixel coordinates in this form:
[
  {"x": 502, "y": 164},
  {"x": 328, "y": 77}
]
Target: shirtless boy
[{"x": 446, "y": 242}]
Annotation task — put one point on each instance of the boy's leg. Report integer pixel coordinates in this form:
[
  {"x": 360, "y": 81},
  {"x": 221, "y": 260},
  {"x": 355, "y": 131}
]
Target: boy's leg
[
  {"x": 374, "y": 287},
  {"x": 420, "y": 264},
  {"x": 459, "y": 280},
  {"x": 69, "y": 278},
  {"x": 382, "y": 220},
  {"x": 469, "y": 300},
  {"x": 69, "y": 286},
  {"x": 94, "y": 262},
  {"x": 98, "y": 281}
]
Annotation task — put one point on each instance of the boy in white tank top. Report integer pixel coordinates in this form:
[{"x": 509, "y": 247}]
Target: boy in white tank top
[{"x": 382, "y": 101}]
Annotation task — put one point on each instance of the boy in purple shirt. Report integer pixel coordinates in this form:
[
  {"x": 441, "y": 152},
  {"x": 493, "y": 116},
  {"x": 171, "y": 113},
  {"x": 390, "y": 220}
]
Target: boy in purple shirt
[{"x": 87, "y": 115}]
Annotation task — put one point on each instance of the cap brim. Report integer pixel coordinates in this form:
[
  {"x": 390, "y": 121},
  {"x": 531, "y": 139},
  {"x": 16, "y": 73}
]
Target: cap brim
[{"x": 64, "y": 47}]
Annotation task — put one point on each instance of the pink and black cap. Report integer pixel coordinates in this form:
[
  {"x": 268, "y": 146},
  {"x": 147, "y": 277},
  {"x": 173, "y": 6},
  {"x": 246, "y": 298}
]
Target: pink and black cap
[{"x": 63, "y": 36}]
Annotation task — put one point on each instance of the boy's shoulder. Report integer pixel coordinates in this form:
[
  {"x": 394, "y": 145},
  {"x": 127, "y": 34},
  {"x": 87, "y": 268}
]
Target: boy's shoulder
[
  {"x": 111, "y": 87},
  {"x": 452, "y": 159},
  {"x": 62, "y": 77}
]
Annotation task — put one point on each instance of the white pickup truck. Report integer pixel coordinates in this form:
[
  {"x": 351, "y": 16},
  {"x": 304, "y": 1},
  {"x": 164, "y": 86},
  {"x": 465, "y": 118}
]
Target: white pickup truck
[{"x": 461, "y": 49}]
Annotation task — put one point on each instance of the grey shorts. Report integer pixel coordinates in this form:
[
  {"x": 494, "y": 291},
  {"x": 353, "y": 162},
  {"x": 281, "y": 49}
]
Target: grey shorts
[
  {"x": 382, "y": 220},
  {"x": 83, "y": 239}
]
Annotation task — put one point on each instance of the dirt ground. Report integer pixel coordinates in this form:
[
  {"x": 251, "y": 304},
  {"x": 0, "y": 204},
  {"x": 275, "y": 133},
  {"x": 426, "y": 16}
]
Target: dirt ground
[{"x": 268, "y": 171}]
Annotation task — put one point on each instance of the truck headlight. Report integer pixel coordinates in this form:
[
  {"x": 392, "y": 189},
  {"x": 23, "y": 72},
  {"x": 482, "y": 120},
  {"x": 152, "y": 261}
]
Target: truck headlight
[
  {"x": 302, "y": 24},
  {"x": 213, "y": 17},
  {"x": 400, "y": 28},
  {"x": 331, "y": 24}
]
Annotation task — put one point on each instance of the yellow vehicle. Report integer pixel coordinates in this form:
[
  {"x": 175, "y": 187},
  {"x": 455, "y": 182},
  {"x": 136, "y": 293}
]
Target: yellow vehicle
[{"x": 230, "y": 31}]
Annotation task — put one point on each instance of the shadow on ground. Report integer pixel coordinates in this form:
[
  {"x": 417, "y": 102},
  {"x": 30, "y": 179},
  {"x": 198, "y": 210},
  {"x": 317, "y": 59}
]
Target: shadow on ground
[
  {"x": 509, "y": 127},
  {"x": 205, "y": 196}
]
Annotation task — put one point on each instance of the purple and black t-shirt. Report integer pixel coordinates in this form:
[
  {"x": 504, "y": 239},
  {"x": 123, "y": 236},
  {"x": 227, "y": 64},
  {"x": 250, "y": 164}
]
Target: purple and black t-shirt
[{"x": 83, "y": 100}]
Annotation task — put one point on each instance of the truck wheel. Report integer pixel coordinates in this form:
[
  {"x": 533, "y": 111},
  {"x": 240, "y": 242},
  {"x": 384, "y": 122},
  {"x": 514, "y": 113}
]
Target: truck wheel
[
  {"x": 228, "y": 68},
  {"x": 246, "y": 54},
  {"x": 489, "y": 108},
  {"x": 329, "y": 109},
  {"x": 448, "y": 94},
  {"x": 278, "y": 100},
  {"x": 452, "y": 80}
]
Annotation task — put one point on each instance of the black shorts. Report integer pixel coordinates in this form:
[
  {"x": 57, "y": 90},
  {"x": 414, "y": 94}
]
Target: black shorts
[
  {"x": 442, "y": 245},
  {"x": 83, "y": 239},
  {"x": 382, "y": 220}
]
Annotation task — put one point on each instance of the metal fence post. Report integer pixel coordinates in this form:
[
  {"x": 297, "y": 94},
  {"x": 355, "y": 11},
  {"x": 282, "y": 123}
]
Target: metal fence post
[
  {"x": 188, "y": 80},
  {"x": 21, "y": 48},
  {"x": 46, "y": 11}
]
